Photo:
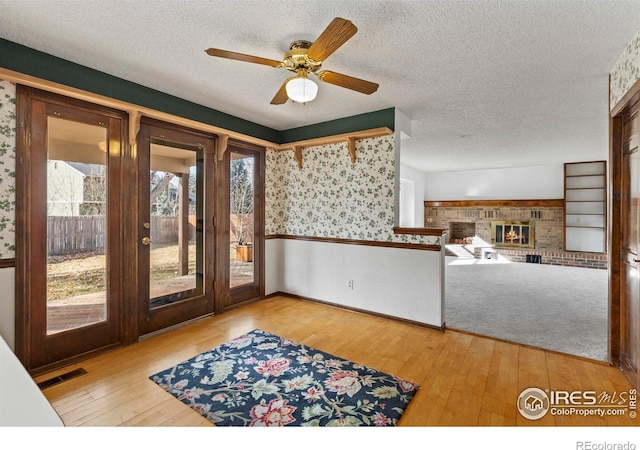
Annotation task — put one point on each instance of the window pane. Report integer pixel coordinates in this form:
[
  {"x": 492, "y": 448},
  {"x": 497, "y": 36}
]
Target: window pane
[
  {"x": 241, "y": 190},
  {"x": 76, "y": 224},
  {"x": 176, "y": 269}
]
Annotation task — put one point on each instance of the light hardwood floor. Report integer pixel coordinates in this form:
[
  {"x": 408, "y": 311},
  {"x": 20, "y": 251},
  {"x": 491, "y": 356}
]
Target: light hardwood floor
[{"x": 465, "y": 379}]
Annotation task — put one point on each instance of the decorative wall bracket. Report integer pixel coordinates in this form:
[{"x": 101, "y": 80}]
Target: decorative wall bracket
[
  {"x": 223, "y": 141},
  {"x": 134, "y": 126},
  {"x": 351, "y": 142},
  {"x": 297, "y": 153},
  {"x": 349, "y": 138}
]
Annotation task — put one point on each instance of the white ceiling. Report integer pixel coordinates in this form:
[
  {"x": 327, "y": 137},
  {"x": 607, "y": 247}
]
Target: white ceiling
[{"x": 487, "y": 84}]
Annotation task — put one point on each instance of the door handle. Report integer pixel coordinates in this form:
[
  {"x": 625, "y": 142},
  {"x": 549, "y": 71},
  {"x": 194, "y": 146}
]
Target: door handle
[{"x": 146, "y": 240}]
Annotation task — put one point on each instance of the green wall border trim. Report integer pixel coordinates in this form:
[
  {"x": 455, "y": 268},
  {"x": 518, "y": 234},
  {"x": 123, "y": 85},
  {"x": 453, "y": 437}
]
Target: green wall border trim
[
  {"x": 376, "y": 119},
  {"x": 32, "y": 62},
  {"x": 22, "y": 59}
]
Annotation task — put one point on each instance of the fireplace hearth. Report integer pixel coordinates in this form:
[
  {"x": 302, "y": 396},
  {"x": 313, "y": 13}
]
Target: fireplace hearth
[{"x": 461, "y": 232}]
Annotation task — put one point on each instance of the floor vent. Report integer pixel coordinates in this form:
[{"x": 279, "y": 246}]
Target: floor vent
[{"x": 60, "y": 378}]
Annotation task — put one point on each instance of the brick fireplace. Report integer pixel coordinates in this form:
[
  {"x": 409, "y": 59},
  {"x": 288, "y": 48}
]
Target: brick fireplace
[{"x": 464, "y": 219}]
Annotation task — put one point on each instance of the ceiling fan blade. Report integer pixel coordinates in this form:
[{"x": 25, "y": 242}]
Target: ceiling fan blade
[
  {"x": 281, "y": 96},
  {"x": 242, "y": 57},
  {"x": 337, "y": 33},
  {"x": 345, "y": 81}
]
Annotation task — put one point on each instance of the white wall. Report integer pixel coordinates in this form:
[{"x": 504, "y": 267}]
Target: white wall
[
  {"x": 402, "y": 132},
  {"x": 407, "y": 204},
  {"x": 398, "y": 282},
  {"x": 419, "y": 181},
  {"x": 7, "y": 306},
  {"x": 23, "y": 403},
  {"x": 519, "y": 183},
  {"x": 274, "y": 266}
]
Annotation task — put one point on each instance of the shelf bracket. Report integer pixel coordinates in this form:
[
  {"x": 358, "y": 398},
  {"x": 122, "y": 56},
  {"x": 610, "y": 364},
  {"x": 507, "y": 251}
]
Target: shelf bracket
[
  {"x": 297, "y": 153},
  {"x": 352, "y": 148}
]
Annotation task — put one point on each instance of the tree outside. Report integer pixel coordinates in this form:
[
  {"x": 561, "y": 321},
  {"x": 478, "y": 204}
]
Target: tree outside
[{"x": 241, "y": 200}]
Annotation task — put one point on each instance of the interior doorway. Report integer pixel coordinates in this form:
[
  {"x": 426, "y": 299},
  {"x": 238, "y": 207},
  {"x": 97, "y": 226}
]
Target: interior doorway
[{"x": 557, "y": 308}]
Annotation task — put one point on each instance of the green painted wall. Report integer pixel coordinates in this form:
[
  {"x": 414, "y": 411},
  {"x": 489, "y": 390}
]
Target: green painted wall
[
  {"x": 42, "y": 65},
  {"x": 376, "y": 119}
]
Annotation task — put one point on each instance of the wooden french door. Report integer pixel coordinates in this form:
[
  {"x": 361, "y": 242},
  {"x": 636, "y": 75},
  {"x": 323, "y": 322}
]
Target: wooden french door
[
  {"x": 69, "y": 205},
  {"x": 630, "y": 283},
  {"x": 175, "y": 225},
  {"x": 244, "y": 208},
  {"x": 114, "y": 242}
]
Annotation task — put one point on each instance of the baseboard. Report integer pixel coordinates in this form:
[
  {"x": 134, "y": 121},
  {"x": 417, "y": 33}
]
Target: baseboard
[{"x": 356, "y": 310}]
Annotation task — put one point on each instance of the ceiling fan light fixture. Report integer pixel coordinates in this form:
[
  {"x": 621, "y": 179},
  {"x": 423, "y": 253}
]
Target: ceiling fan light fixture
[
  {"x": 301, "y": 89},
  {"x": 304, "y": 57}
]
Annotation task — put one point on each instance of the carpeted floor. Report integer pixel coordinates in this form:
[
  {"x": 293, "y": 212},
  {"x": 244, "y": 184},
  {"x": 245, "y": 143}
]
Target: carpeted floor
[{"x": 551, "y": 307}]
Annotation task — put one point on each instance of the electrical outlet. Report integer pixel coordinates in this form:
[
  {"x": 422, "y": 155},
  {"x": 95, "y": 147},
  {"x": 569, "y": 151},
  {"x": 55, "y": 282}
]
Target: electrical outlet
[{"x": 350, "y": 284}]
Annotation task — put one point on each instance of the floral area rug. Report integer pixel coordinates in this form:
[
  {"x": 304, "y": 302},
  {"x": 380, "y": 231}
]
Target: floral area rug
[{"x": 260, "y": 379}]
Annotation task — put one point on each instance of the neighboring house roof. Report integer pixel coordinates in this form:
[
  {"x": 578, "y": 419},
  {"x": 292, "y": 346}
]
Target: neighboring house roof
[{"x": 87, "y": 169}]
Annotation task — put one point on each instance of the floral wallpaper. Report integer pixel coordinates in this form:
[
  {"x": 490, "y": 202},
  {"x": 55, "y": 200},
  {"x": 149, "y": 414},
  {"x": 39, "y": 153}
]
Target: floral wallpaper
[
  {"x": 626, "y": 72},
  {"x": 7, "y": 169},
  {"x": 330, "y": 197}
]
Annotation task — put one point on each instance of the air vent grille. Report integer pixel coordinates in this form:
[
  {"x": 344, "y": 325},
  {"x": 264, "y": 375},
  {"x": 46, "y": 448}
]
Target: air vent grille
[{"x": 60, "y": 378}]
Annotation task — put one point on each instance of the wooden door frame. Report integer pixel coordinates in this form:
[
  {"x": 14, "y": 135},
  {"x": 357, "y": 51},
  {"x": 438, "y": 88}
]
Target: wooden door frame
[
  {"x": 614, "y": 238},
  {"x": 616, "y": 279},
  {"x": 26, "y": 189},
  {"x": 227, "y": 298},
  {"x": 128, "y": 323},
  {"x": 165, "y": 315}
]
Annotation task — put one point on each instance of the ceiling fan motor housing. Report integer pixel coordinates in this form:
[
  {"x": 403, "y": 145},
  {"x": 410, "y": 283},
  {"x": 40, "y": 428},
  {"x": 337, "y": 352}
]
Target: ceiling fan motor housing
[{"x": 296, "y": 58}]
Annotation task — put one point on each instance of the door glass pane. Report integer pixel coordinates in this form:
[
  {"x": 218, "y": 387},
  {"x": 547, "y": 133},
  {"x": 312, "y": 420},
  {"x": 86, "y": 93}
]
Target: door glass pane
[
  {"x": 76, "y": 224},
  {"x": 176, "y": 228},
  {"x": 241, "y": 210}
]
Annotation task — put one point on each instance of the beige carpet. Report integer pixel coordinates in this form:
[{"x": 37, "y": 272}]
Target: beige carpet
[{"x": 555, "y": 308}]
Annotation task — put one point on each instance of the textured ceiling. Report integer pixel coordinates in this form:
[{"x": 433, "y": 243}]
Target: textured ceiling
[{"x": 487, "y": 84}]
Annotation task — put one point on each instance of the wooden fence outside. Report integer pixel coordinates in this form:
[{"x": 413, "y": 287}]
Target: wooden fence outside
[
  {"x": 164, "y": 230},
  {"x": 75, "y": 234},
  {"x": 81, "y": 234}
]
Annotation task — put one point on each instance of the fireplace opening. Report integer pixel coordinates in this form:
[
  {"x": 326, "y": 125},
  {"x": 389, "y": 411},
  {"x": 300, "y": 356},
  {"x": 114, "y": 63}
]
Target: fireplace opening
[
  {"x": 461, "y": 232},
  {"x": 512, "y": 234}
]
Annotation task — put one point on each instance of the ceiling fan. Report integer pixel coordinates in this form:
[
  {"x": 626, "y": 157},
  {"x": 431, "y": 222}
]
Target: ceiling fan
[{"x": 306, "y": 57}]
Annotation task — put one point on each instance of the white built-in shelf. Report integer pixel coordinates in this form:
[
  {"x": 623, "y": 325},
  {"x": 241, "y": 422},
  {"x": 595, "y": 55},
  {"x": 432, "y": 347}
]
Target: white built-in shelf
[{"x": 585, "y": 206}]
